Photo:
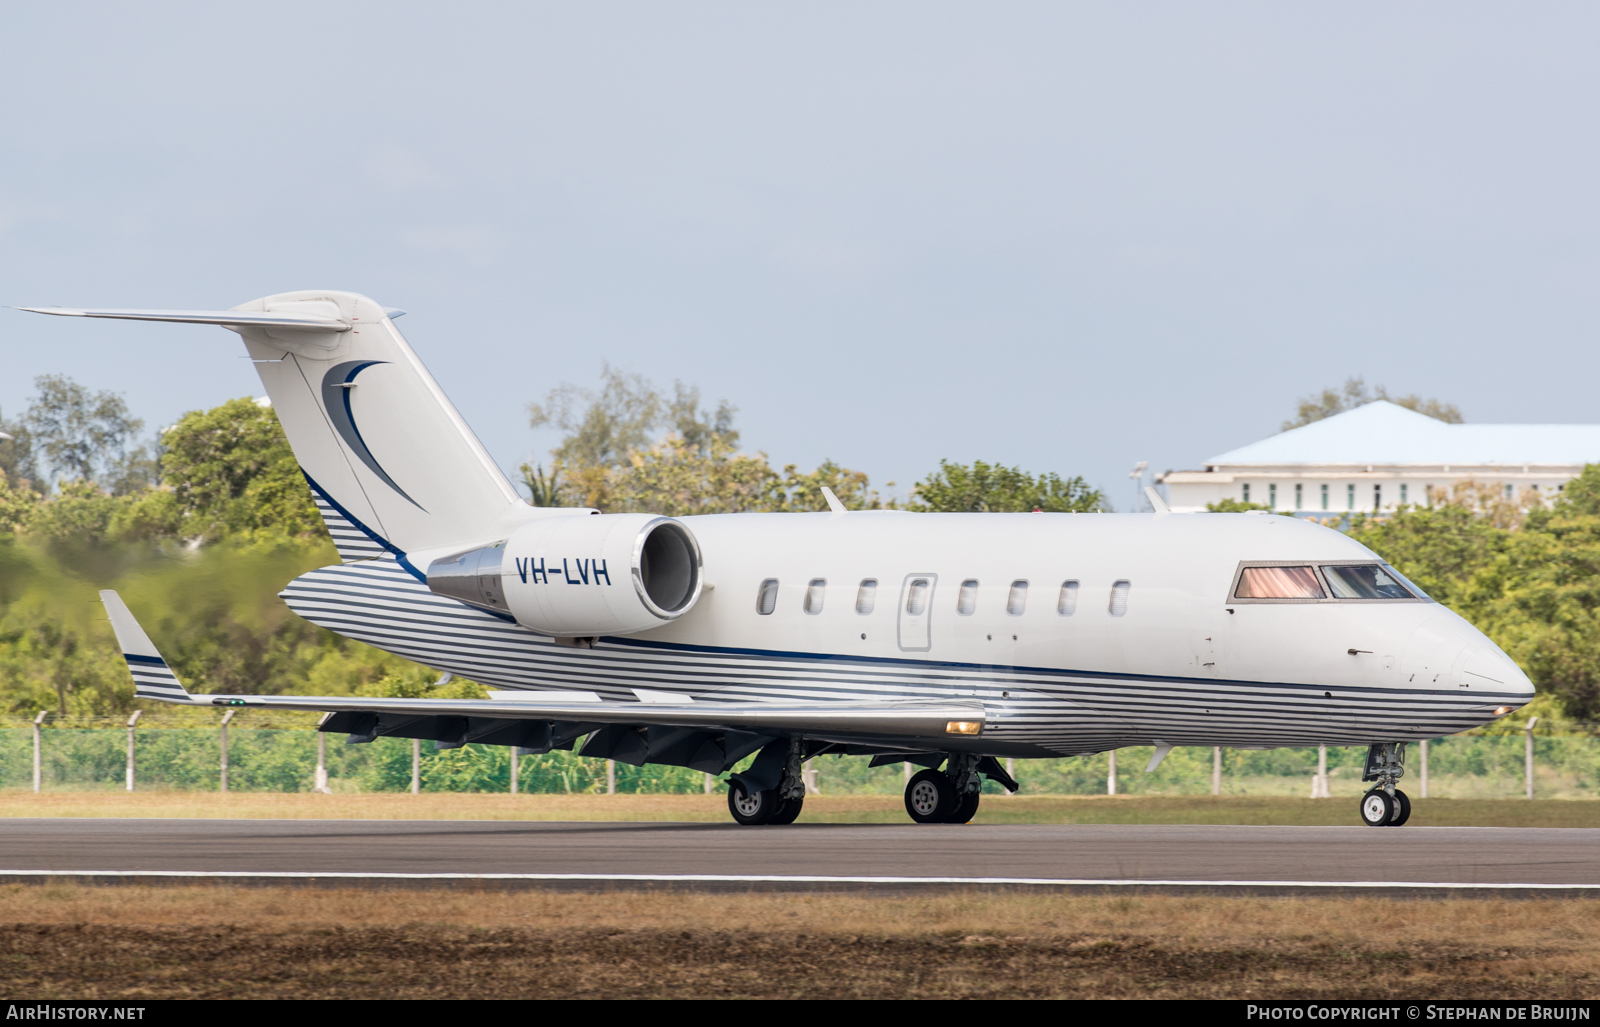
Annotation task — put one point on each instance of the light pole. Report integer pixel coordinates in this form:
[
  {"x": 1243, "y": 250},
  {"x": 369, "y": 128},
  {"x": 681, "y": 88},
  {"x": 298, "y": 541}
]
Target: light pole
[{"x": 1137, "y": 474}]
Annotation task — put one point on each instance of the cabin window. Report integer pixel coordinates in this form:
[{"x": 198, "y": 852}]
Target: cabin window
[
  {"x": 1119, "y": 598},
  {"x": 815, "y": 591},
  {"x": 967, "y": 599},
  {"x": 1067, "y": 603},
  {"x": 1279, "y": 583},
  {"x": 767, "y": 598},
  {"x": 866, "y": 596},
  {"x": 1365, "y": 581},
  {"x": 917, "y": 597},
  {"x": 1017, "y": 598}
]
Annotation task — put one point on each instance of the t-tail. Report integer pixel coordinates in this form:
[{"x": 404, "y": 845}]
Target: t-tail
[{"x": 391, "y": 464}]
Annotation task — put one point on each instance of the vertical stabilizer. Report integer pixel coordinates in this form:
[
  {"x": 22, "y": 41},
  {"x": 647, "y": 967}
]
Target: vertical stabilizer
[{"x": 390, "y": 461}]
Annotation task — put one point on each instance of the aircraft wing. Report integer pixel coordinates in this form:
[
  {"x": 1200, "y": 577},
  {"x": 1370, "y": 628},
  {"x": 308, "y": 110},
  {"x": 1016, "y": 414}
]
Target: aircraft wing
[{"x": 657, "y": 725}]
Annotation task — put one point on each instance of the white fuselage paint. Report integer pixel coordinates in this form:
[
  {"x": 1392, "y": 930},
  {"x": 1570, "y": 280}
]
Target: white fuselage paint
[{"x": 1182, "y": 666}]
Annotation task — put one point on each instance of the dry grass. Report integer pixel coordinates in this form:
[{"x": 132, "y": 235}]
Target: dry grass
[
  {"x": 63, "y": 941},
  {"x": 863, "y": 809}
]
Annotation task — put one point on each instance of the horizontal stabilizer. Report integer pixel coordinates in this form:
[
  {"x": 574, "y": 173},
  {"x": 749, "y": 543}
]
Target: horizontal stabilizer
[{"x": 226, "y": 318}]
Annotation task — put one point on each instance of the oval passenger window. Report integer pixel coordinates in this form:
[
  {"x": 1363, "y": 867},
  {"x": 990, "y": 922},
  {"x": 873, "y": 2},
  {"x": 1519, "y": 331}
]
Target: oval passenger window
[
  {"x": 814, "y": 594},
  {"x": 1067, "y": 605},
  {"x": 1119, "y": 599},
  {"x": 967, "y": 600},
  {"x": 866, "y": 595},
  {"x": 1017, "y": 599},
  {"x": 767, "y": 598}
]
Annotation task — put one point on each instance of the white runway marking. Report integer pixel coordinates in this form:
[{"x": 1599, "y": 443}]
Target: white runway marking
[{"x": 1057, "y": 882}]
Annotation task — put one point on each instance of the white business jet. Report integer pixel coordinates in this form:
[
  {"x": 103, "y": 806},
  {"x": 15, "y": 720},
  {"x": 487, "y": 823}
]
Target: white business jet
[{"x": 944, "y": 640}]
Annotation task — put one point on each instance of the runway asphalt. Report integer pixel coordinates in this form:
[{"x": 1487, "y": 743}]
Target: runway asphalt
[{"x": 1196, "y": 855}]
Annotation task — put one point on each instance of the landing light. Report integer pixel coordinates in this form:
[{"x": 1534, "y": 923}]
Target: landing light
[
  {"x": 963, "y": 727},
  {"x": 1501, "y": 711}
]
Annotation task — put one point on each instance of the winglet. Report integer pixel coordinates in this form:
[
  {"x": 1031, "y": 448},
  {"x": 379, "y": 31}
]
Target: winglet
[
  {"x": 152, "y": 678},
  {"x": 833, "y": 501},
  {"x": 1157, "y": 504}
]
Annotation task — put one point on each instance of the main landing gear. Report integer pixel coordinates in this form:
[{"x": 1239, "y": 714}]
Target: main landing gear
[
  {"x": 753, "y": 805},
  {"x": 951, "y": 795},
  {"x": 1385, "y": 805}
]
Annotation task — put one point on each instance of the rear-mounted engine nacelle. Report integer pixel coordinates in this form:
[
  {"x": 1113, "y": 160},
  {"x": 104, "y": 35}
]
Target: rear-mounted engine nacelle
[{"x": 580, "y": 575}]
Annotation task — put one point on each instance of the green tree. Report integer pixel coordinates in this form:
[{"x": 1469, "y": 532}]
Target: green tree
[
  {"x": 86, "y": 436},
  {"x": 232, "y": 474},
  {"x": 995, "y": 488},
  {"x": 601, "y": 428},
  {"x": 1354, "y": 394}
]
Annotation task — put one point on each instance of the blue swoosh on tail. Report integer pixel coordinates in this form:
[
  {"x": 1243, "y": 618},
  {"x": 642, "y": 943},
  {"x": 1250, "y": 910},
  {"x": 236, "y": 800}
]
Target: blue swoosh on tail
[{"x": 336, "y": 400}]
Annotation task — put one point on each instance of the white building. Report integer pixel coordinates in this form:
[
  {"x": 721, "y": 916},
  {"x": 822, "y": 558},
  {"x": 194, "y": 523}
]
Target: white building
[{"x": 1379, "y": 456}]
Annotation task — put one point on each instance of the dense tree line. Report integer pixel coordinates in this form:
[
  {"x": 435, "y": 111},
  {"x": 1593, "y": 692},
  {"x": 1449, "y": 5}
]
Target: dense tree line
[{"x": 201, "y": 525}]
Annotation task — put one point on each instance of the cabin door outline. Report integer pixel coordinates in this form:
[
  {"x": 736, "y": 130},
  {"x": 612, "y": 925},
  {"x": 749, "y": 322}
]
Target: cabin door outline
[{"x": 915, "y": 629}]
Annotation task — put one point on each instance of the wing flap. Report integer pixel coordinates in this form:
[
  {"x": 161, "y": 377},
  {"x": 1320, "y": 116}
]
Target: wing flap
[{"x": 874, "y": 720}]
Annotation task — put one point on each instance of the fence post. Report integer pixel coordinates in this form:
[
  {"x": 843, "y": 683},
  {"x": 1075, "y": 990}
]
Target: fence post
[
  {"x": 1528, "y": 770},
  {"x": 808, "y": 777},
  {"x": 1111, "y": 772},
  {"x": 515, "y": 766},
  {"x": 611, "y": 777},
  {"x": 38, "y": 769},
  {"x": 225, "y": 718},
  {"x": 416, "y": 766},
  {"x": 711, "y": 784},
  {"x": 1319, "y": 783},
  {"x": 131, "y": 722},
  {"x": 321, "y": 782},
  {"x": 1216, "y": 770},
  {"x": 1424, "y": 768},
  {"x": 1011, "y": 772}
]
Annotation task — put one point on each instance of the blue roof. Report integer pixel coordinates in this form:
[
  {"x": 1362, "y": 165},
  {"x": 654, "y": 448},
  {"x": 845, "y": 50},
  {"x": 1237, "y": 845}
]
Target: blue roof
[{"x": 1383, "y": 433}]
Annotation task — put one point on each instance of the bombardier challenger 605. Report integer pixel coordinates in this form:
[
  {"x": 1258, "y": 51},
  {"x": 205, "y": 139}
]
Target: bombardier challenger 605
[{"x": 950, "y": 641}]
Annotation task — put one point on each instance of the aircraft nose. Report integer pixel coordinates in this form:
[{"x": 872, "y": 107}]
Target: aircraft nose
[{"x": 1485, "y": 667}]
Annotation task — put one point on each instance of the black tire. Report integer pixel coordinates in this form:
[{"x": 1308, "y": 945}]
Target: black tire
[
  {"x": 752, "y": 809},
  {"x": 966, "y": 808},
  {"x": 930, "y": 798},
  {"x": 788, "y": 810},
  {"x": 1377, "y": 809},
  {"x": 1402, "y": 808}
]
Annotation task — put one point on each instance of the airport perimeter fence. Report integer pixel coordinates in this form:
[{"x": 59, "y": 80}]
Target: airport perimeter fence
[{"x": 94, "y": 755}]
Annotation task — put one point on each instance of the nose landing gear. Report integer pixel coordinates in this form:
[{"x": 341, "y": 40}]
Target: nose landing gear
[{"x": 1385, "y": 805}]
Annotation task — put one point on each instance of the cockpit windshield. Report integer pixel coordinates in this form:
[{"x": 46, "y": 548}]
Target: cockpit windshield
[{"x": 1364, "y": 581}]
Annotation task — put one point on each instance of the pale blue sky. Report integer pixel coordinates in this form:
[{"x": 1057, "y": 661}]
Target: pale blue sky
[{"x": 1066, "y": 236}]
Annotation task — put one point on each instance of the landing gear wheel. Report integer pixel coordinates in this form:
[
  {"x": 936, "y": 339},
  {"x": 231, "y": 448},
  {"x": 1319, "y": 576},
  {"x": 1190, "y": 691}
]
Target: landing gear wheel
[
  {"x": 752, "y": 808},
  {"x": 1377, "y": 809},
  {"x": 930, "y": 797},
  {"x": 787, "y": 811},
  {"x": 966, "y": 809},
  {"x": 1402, "y": 809}
]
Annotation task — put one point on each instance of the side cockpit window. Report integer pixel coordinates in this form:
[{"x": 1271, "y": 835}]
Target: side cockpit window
[{"x": 1279, "y": 583}]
